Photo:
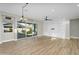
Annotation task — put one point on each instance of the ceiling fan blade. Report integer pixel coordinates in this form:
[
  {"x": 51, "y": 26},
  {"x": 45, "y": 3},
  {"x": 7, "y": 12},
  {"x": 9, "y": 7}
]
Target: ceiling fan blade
[{"x": 46, "y": 18}]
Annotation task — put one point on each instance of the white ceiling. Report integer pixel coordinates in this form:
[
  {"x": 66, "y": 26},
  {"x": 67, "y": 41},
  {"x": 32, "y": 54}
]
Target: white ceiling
[{"x": 40, "y": 10}]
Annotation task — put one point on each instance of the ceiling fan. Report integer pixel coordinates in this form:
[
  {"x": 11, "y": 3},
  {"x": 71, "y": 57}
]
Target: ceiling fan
[{"x": 47, "y": 19}]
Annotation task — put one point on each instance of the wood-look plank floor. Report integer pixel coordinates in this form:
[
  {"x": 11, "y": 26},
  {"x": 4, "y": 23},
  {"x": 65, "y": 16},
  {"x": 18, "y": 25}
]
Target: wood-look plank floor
[{"x": 40, "y": 47}]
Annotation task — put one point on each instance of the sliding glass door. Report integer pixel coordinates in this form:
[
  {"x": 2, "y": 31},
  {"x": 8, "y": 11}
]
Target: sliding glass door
[{"x": 26, "y": 30}]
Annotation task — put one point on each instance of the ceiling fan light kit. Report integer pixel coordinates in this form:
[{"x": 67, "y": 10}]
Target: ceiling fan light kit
[{"x": 47, "y": 19}]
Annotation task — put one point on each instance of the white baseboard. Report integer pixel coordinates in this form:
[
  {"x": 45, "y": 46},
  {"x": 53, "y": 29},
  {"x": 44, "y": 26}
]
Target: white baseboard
[
  {"x": 7, "y": 40},
  {"x": 55, "y": 37},
  {"x": 67, "y": 38},
  {"x": 39, "y": 37},
  {"x": 74, "y": 37}
]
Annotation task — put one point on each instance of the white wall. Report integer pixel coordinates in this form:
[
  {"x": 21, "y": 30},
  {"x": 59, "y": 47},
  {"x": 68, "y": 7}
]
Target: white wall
[
  {"x": 40, "y": 28},
  {"x": 67, "y": 32},
  {"x": 61, "y": 28},
  {"x": 74, "y": 28},
  {"x": 0, "y": 28}
]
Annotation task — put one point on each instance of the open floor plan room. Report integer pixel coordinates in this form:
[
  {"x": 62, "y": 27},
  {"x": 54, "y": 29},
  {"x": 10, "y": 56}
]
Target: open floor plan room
[{"x": 39, "y": 29}]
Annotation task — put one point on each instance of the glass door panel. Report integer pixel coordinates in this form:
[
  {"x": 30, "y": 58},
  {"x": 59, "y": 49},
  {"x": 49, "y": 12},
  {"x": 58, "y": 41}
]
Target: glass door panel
[
  {"x": 21, "y": 30},
  {"x": 29, "y": 29}
]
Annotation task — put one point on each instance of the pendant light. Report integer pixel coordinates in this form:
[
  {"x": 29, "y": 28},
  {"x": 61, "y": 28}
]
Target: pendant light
[{"x": 22, "y": 17}]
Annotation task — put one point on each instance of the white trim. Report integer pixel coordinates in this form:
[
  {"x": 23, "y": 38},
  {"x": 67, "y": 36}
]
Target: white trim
[
  {"x": 54, "y": 37},
  {"x": 7, "y": 40},
  {"x": 67, "y": 38},
  {"x": 74, "y": 37}
]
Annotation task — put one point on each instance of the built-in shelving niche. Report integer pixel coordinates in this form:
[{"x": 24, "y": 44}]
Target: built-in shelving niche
[{"x": 7, "y": 24}]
